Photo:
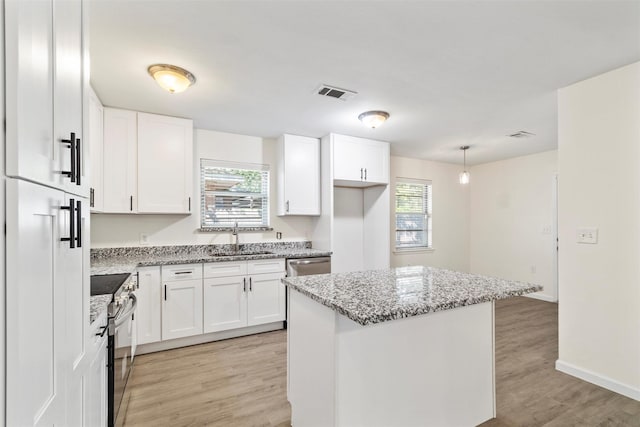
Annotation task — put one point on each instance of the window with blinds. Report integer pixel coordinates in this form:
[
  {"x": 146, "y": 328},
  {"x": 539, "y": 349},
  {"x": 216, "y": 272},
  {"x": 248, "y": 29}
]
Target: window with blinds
[
  {"x": 413, "y": 214},
  {"x": 234, "y": 192}
]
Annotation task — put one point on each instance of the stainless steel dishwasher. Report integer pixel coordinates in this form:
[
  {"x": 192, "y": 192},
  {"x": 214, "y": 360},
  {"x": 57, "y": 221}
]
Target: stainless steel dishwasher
[{"x": 307, "y": 266}]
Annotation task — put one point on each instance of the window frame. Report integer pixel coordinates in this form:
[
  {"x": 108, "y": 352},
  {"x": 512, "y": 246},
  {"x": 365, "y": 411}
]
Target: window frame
[
  {"x": 428, "y": 230},
  {"x": 266, "y": 195}
]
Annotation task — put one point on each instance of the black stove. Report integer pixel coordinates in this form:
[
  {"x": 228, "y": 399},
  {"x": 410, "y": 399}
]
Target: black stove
[{"x": 107, "y": 284}]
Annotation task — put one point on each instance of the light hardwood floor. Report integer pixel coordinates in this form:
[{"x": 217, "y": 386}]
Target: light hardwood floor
[{"x": 241, "y": 382}]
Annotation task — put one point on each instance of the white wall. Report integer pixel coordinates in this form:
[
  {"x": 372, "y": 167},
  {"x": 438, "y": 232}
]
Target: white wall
[
  {"x": 110, "y": 230},
  {"x": 450, "y": 214},
  {"x": 599, "y": 186},
  {"x": 512, "y": 220}
]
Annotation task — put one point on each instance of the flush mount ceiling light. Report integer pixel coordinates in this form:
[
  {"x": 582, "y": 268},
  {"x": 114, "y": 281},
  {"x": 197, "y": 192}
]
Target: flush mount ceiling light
[
  {"x": 171, "y": 78},
  {"x": 373, "y": 119},
  {"x": 464, "y": 175}
]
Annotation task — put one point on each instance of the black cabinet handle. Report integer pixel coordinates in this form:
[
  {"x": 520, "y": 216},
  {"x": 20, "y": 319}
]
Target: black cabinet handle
[
  {"x": 165, "y": 292},
  {"x": 131, "y": 203},
  {"x": 71, "y": 143},
  {"x": 250, "y": 285},
  {"x": 92, "y": 198},
  {"x": 78, "y": 161},
  {"x": 189, "y": 204},
  {"x": 72, "y": 233},
  {"x": 79, "y": 223},
  {"x": 244, "y": 284},
  {"x": 365, "y": 174},
  {"x": 361, "y": 174}
]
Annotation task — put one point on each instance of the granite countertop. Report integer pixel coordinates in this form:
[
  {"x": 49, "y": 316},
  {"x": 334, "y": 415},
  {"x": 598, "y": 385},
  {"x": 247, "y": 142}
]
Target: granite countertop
[
  {"x": 97, "y": 305},
  {"x": 376, "y": 296}
]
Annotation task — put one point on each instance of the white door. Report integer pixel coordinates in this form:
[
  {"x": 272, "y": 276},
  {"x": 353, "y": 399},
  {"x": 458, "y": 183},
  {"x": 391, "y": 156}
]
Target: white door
[
  {"x": 31, "y": 151},
  {"x": 120, "y": 161},
  {"x": 348, "y": 163},
  {"x": 149, "y": 294},
  {"x": 95, "y": 144},
  {"x": 375, "y": 159},
  {"x": 165, "y": 164},
  {"x": 266, "y": 301},
  {"x": 225, "y": 303},
  {"x": 301, "y": 175},
  {"x": 67, "y": 90},
  {"x": 96, "y": 388},
  {"x": 36, "y": 351},
  {"x": 182, "y": 309}
]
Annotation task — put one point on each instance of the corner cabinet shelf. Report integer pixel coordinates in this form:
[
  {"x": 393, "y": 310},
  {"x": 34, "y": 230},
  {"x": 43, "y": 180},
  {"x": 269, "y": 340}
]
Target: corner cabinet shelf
[{"x": 298, "y": 175}]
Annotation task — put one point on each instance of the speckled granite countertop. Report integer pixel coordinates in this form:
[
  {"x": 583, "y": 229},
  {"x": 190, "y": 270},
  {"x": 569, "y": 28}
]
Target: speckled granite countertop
[
  {"x": 97, "y": 305},
  {"x": 376, "y": 296}
]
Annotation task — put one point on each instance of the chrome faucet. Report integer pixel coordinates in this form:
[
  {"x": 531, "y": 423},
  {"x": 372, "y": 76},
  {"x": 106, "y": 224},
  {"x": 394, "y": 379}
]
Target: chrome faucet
[{"x": 234, "y": 232}]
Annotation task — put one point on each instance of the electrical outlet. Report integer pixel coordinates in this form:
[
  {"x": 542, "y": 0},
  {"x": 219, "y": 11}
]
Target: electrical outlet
[
  {"x": 144, "y": 239},
  {"x": 546, "y": 229},
  {"x": 587, "y": 235},
  {"x": 533, "y": 269}
]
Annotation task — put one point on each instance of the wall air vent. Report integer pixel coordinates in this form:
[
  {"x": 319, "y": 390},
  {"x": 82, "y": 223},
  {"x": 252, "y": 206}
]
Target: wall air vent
[
  {"x": 334, "y": 92},
  {"x": 521, "y": 134}
]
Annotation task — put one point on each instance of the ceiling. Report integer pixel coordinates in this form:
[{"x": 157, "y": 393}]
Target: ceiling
[{"x": 450, "y": 73}]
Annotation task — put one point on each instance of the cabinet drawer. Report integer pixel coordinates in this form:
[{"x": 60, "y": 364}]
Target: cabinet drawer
[
  {"x": 225, "y": 269},
  {"x": 181, "y": 272},
  {"x": 266, "y": 266}
]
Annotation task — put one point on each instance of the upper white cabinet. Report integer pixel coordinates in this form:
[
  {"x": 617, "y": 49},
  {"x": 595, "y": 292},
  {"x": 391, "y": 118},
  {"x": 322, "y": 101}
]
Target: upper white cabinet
[
  {"x": 44, "y": 93},
  {"x": 96, "y": 150},
  {"x": 298, "y": 175},
  {"x": 147, "y": 163},
  {"x": 165, "y": 164},
  {"x": 359, "y": 162},
  {"x": 120, "y": 160}
]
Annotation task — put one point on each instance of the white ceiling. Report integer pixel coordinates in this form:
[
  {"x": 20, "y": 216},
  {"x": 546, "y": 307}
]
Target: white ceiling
[{"x": 450, "y": 73}]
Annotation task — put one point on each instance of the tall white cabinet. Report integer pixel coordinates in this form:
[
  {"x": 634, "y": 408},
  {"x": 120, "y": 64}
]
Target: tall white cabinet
[
  {"x": 355, "y": 219},
  {"x": 120, "y": 161},
  {"x": 47, "y": 237},
  {"x": 298, "y": 175}
]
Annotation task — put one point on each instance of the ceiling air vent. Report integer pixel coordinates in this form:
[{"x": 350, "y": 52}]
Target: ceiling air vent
[
  {"x": 521, "y": 134},
  {"x": 334, "y": 92}
]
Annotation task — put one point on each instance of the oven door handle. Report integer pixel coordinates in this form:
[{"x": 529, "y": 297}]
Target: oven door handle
[{"x": 121, "y": 318}]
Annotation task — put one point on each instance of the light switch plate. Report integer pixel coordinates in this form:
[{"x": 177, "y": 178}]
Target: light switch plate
[{"x": 587, "y": 235}]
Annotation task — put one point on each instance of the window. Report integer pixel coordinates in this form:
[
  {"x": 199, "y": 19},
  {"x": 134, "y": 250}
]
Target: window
[
  {"x": 413, "y": 214},
  {"x": 234, "y": 192}
]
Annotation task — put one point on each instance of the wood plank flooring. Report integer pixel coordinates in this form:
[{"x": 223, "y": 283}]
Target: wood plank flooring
[{"x": 242, "y": 381}]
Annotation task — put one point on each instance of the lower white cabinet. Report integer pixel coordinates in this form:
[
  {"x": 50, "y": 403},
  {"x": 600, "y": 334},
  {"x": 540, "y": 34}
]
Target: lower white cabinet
[
  {"x": 148, "y": 313},
  {"x": 181, "y": 308},
  {"x": 95, "y": 383},
  {"x": 233, "y": 299}
]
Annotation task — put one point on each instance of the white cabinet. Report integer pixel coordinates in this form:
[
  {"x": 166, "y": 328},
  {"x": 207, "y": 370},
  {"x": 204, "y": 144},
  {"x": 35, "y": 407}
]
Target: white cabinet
[
  {"x": 147, "y": 163},
  {"x": 96, "y": 151},
  {"x": 359, "y": 162},
  {"x": 165, "y": 164},
  {"x": 298, "y": 175},
  {"x": 233, "y": 299},
  {"x": 148, "y": 315},
  {"x": 120, "y": 159},
  {"x": 95, "y": 379},
  {"x": 44, "y": 90},
  {"x": 182, "y": 301}
]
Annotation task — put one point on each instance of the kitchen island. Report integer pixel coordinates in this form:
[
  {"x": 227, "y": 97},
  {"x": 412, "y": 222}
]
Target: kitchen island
[{"x": 410, "y": 346}]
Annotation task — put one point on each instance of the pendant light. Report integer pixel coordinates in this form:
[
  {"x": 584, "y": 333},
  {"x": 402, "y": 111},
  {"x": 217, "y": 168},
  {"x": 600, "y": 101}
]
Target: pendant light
[
  {"x": 464, "y": 175},
  {"x": 373, "y": 119},
  {"x": 171, "y": 78}
]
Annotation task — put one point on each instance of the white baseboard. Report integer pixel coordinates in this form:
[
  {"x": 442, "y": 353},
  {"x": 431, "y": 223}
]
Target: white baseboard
[
  {"x": 542, "y": 297},
  {"x": 599, "y": 380},
  {"x": 205, "y": 338}
]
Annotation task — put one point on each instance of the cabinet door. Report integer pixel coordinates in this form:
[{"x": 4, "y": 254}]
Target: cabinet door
[
  {"x": 225, "y": 303},
  {"x": 95, "y": 144},
  {"x": 120, "y": 161},
  {"x": 165, "y": 164},
  {"x": 348, "y": 162},
  {"x": 37, "y": 357},
  {"x": 149, "y": 294},
  {"x": 375, "y": 159},
  {"x": 95, "y": 398},
  {"x": 266, "y": 299},
  {"x": 301, "y": 176},
  {"x": 182, "y": 309},
  {"x": 31, "y": 150},
  {"x": 68, "y": 89}
]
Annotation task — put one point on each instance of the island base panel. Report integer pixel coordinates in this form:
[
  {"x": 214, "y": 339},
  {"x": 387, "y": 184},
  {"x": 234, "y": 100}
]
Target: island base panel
[{"x": 430, "y": 370}]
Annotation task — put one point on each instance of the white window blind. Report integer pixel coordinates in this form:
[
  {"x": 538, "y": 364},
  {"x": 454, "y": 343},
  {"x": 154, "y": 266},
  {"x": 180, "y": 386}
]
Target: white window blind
[
  {"x": 234, "y": 192},
  {"x": 413, "y": 214}
]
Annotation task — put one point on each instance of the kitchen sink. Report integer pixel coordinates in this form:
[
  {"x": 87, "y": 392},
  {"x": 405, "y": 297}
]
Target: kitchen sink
[{"x": 239, "y": 253}]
